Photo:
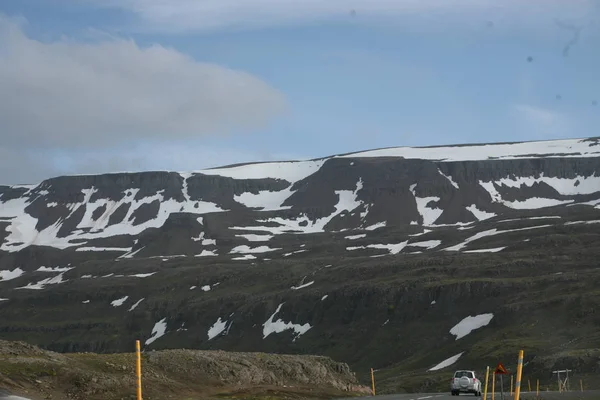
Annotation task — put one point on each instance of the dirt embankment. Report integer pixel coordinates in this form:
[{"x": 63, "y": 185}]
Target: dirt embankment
[{"x": 172, "y": 374}]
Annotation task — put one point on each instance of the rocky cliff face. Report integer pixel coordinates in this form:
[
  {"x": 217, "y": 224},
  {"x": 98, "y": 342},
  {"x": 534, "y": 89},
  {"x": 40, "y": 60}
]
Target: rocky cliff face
[{"x": 371, "y": 258}]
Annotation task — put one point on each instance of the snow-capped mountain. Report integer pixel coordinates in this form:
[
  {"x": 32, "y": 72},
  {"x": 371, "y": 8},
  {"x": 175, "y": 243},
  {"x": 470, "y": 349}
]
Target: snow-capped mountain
[
  {"x": 310, "y": 256},
  {"x": 419, "y": 189}
]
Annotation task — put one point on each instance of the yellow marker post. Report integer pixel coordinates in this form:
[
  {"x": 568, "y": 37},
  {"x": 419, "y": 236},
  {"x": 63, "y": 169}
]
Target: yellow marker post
[
  {"x": 487, "y": 377},
  {"x": 494, "y": 385},
  {"x": 373, "y": 381},
  {"x": 581, "y": 384},
  {"x": 537, "y": 388},
  {"x": 511, "y": 385},
  {"x": 529, "y": 384},
  {"x": 138, "y": 369},
  {"x": 519, "y": 374}
]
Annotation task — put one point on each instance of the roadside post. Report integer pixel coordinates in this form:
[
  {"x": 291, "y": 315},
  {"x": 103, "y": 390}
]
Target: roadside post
[
  {"x": 138, "y": 369},
  {"x": 519, "y": 375},
  {"x": 487, "y": 377},
  {"x": 494, "y": 386},
  {"x": 373, "y": 381}
]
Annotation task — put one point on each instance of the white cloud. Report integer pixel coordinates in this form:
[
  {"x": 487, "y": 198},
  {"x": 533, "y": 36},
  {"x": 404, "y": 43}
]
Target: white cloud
[
  {"x": 185, "y": 15},
  {"x": 69, "y": 94}
]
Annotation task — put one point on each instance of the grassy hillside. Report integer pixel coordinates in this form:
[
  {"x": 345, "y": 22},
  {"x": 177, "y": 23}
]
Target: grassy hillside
[{"x": 172, "y": 374}]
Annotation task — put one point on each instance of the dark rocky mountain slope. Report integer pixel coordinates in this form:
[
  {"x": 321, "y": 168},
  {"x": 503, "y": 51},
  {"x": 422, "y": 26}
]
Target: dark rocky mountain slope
[{"x": 395, "y": 259}]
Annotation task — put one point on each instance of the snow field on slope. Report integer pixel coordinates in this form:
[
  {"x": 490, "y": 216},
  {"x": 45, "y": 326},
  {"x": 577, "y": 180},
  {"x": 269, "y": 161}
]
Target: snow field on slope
[
  {"x": 563, "y": 186},
  {"x": 45, "y": 282},
  {"x": 449, "y": 178},
  {"x": 479, "y": 214},
  {"x": 279, "y": 326},
  {"x": 489, "y": 232},
  {"x": 22, "y": 231},
  {"x": 158, "y": 331},
  {"x": 134, "y": 306},
  {"x": 243, "y": 249},
  {"x": 429, "y": 215},
  {"x": 292, "y": 171},
  {"x": 512, "y": 151},
  {"x": 347, "y": 201},
  {"x": 7, "y": 275},
  {"x": 119, "y": 302},
  {"x": 447, "y": 362},
  {"x": 469, "y": 324},
  {"x": 217, "y": 328}
]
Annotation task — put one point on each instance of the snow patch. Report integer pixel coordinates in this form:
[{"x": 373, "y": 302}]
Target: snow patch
[
  {"x": 133, "y": 307},
  {"x": 53, "y": 269},
  {"x": 429, "y": 215},
  {"x": 490, "y": 232},
  {"x": 469, "y": 324},
  {"x": 492, "y": 250},
  {"x": 532, "y": 203},
  {"x": 43, "y": 283},
  {"x": 392, "y": 248},
  {"x": 279, "y": 326},
  {"x": 294, "y": 252},
  {"x": 376, "y": 226},
  {"x": 159, "y": 330},
  {"x": 8, "y": 275},
  {"x": 449, "y": 179},
  {"x": 507, "y": 151},
  {"x": 115, "y": 249},
  {"x": 207, "y": 253},
  {"x": 256, "y": 238},
  {"x": 119, "y": 302},
  {"x": 347, "y": 201},
  {"x": 243, "y": 249},
  {"x": 447, "y": 362},
  {"x": 143, "y": 275},
  {"x": 428, "y": 244},
  {"x": 354, "y": 237},
  {"x": 479, "y": 214},
  {"x": 217, "y": 329},
  {"x": 302, "y": 285}
]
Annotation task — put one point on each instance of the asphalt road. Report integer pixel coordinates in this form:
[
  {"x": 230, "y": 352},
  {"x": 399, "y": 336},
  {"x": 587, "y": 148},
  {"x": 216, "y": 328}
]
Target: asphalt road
[
  {"x": 7, "y": 395},
  {"x": 573, "y": 395}
]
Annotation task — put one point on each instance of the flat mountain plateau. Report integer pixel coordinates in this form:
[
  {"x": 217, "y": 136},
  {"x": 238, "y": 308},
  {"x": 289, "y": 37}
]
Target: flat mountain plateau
[{"x": 395, "y": 259}]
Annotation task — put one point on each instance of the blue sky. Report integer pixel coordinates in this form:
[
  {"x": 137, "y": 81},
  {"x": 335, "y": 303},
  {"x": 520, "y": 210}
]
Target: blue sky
[{"x": 310, "y": 79}]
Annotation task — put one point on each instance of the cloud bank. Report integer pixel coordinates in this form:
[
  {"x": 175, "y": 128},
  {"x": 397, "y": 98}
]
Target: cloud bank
[{"x": 68, "y": 93}]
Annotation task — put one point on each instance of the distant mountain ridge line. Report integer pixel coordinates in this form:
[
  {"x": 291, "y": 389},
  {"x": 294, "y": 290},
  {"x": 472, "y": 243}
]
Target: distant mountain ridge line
[{"x": 365, "y": 154}]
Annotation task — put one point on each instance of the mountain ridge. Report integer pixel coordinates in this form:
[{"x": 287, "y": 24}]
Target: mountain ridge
[{"x": 370, "y": 259}]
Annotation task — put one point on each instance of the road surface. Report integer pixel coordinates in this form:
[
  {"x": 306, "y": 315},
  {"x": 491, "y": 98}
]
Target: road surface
[
  {"x": 573, "y": 395},
  {"x": 7, "y": 395}
]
